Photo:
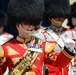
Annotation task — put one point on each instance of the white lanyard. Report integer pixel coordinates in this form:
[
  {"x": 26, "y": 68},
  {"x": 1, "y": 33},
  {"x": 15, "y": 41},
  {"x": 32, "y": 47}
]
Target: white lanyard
[{"x": 55, "y": 37}]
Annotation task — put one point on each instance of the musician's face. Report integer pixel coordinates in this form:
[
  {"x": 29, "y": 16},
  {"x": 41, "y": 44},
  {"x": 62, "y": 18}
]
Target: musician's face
[
  {"x": 1, "y": 30},
  {"x": 57, "y": 21},
  {"x": 25, "y": 30},
  {"x": 27, "y": 26},
  {"x": 74, "y": 21}
]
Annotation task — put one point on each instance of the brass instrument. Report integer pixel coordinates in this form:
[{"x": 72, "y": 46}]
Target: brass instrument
[{"x": 25, "y": 63}]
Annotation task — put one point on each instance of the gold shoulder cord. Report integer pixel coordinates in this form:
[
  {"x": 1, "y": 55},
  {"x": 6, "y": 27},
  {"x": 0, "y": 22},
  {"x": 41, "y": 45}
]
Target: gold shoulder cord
[
  {"x": 50, "y": 47},
  {"x": 2, "y": 57},
  {"x": 21, "y": 67}
]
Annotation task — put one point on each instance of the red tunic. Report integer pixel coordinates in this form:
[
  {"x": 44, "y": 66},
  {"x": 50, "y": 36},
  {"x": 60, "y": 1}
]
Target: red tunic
[
  {"x": 56, "y": 70},
  {"x": 54, "y": 53},
  {"x": 14, "y": 50}
]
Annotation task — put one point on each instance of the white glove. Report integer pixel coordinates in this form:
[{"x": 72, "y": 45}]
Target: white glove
[{"x": 69, "y": 44}]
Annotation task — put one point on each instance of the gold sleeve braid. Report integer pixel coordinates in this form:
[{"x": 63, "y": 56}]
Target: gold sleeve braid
[{"x": 68, "y": 55}]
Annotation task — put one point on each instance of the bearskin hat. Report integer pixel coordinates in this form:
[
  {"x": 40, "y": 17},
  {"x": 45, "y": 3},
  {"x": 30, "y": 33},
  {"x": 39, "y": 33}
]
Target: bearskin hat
[
  {"x": 73, "y": 10},
  {"x": 57, "y": 8},
  {"x": 3, "y": 19},
  {"x": 30, "y": 11},
  {"x": 73, "y": 14}
]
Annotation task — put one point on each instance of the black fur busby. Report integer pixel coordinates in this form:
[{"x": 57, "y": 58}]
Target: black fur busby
[
  {"x": 73, "y": 14},
  {"x": 57, "y": 8},
  {"x": 30, "y": 11},
  {"x": 3, "y": 19},
  {"x": 73, "y": 10}
]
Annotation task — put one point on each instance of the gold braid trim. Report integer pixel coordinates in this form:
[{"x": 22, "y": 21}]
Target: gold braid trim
[
  {"x": 30, "y": 73},
  {"x": 2, "y": 57},
  {"x": 26, "y": 62},
  {"x": 68, "y": 55},
  {"x": 55, "y": 21}
]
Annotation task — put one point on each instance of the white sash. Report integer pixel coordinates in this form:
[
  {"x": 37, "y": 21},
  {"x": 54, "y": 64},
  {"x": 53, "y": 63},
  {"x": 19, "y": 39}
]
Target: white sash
[
  {"x": 71, "y": 68},
  {"x": 55, "y": 37}
]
